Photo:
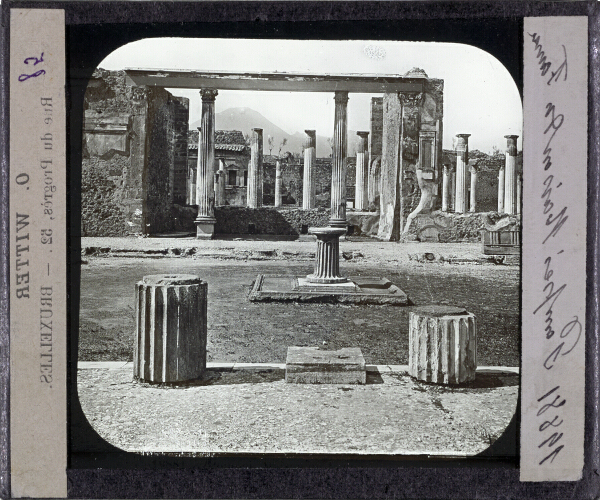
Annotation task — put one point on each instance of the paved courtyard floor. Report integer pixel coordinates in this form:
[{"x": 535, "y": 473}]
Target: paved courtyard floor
[{"x": 253, "y": 410}]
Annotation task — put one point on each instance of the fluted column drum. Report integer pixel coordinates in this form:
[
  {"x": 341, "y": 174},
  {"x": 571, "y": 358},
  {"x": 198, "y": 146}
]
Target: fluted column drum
[
  {"x": 442, "y": 345},
  {"x": 170, "y": 343},
  {"x": 327, "y": 260}
]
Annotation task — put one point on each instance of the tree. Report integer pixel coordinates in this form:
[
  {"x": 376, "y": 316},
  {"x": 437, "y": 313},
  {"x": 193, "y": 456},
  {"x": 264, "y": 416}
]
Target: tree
[
  {"x": 271, "y": 143},
  {"x": 330, "y": 142},
  {"x": 281, "y": 145}
]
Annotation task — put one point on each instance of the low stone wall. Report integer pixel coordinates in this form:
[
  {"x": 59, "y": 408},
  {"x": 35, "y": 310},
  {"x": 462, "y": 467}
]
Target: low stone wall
[
  {"x": 453, "y": 228},
  {"x": 267, "y": 220}
]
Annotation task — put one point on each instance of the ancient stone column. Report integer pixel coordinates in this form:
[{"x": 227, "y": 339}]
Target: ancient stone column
[
  {"x": 338, "y": 167},
  {"x": 310, "y": 160},
  {"x": 473, "y": 200},
  {"x": 171, "y": 314},
  {"x": 277, "y": 183},
  {"x": 255, "y": 170},
  {"x": 361, "y": 200},
  {"x": 220, "y": 189},
  {"x": 445, "y": 186},
  {"x": 452, "y": 188},
  {"x": 442, "y": 344},
  {"x": 519, "y": 193},
  {"x": 205, "y": 192},
  {"x": 327, "y": 260},
  {"x": 510, "y": 177},
  {"x": 462, "y": 159},
  {"x": 501, "y": 190}
]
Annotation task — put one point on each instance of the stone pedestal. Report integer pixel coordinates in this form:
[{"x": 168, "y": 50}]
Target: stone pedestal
[
  {"x": 327, "y": 261},
  {"x": 361, "y": 201},
  {"x": 205, "y": 190},
  {"x": 501, "y": 190},
  {"x": 462, "y": 159},
  {"x": 338, "y": 163},
  {"x": 510, "y": 176},
  {"x": 310, "y": 160},
  {"x": 170, "y": 343},
  {"x": 442, "y": 345},
  {"x": 311, "y": 365},
  {"x": 255, "y": 170}
]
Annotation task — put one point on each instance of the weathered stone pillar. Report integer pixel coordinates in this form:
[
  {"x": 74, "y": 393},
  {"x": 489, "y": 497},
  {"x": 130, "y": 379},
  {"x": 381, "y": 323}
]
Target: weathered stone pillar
[
  {"x": 519, "y": 192},
  {"x": 205, "y": 193},
  {"x": 327, "y": 260},
  {"x": 362, "y": 172},
  {"x": 452, "y": 188},
  {"x": 277, "y": 183},
  {"x": 255, "y": 170},
  {"x": 445, "y": 186},
  {"x": 442, "y": 344},
  {"x": 462, "y": 159},
  {"x": 473, "y": 200},
  {"x": 338, "y": 167},
  {"x": 501, "y": 190},
  {"x": 310, "y": 160},
  {"x": 220, "y": 190},
  {"x": 171, "y": 315},
  {"x": 510, "y": 178}
]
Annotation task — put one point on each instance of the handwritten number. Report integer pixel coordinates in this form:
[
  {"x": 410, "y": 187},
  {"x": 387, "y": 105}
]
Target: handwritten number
[
  {"x": 36, "y": 61},
  {"x": 24, "y": 76},
  {"x": 551, "y": 405},
  {"x": 549, "y": 423},
  {"x": 553, "y": 454}
]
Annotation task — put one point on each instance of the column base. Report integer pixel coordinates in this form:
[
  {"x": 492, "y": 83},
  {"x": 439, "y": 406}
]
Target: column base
[
  {"x": 338, "y": 223},
  {"x": 311, "y": 278},
  {"x": 205, "y": 228}
]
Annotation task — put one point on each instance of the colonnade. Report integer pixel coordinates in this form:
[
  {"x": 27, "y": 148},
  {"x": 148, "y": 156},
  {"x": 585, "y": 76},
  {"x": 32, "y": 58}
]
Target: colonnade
[
  {"x": 210, "y": 184},
  {"x": 455, "y": 178}
]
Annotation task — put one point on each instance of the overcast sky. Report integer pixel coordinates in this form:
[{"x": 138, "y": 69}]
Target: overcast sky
[{"x": 480, "y": 96}]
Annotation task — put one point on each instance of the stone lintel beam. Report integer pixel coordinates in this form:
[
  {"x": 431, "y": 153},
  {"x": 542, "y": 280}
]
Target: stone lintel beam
[{"x": 287, "y": 82}]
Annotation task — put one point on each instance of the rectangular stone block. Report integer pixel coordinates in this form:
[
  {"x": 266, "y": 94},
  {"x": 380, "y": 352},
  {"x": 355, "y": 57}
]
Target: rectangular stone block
[{"x": 311, "y": 365}]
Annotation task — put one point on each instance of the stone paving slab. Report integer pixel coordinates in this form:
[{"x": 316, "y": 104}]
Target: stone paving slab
[
  {"x": 255, "y": 411},
  {"x": 311, "y": 365}
]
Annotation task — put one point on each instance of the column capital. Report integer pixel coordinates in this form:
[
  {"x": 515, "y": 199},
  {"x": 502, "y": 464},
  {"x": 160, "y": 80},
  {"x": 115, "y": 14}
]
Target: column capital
[
  {"x": 463, "y": 141},
  {"x": 413, "y": 98},
  {"x": 363, "y": 134},
  {"x": 208, "y": 95},
  {"x": 310, "y": 140},
  {"x": 511, "y": 144},
  {"x": 341, "y": 97}
]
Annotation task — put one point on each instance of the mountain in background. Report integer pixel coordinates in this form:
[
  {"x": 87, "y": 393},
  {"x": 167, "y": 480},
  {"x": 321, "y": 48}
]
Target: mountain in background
[{"x": 245, "y": 119}]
